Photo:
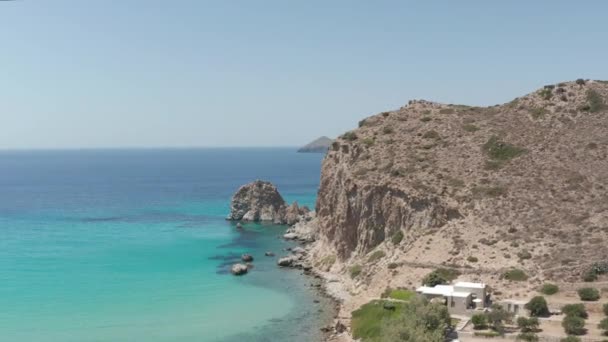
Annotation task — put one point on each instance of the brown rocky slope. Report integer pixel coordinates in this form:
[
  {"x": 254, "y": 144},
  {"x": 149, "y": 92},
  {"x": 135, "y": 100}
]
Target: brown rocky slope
[{"x": 523, "y": 184}]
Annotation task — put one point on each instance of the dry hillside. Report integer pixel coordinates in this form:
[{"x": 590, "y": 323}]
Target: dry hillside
[{"x": 523, "y": 184}]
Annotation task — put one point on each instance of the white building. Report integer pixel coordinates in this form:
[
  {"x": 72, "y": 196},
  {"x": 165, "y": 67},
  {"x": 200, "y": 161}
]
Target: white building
[{"x": 459, "y": 298}]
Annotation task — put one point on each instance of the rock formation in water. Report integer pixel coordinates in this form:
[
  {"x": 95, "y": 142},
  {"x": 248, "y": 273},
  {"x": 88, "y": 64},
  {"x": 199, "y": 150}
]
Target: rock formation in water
[
  {"x": 261, "y": 201},
  {"x": 319, "y": 145},
  {"x": 239, "y": 269}
]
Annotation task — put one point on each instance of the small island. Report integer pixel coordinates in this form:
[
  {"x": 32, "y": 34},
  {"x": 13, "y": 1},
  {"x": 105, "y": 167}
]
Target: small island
[{"x": 320, "y": 145}]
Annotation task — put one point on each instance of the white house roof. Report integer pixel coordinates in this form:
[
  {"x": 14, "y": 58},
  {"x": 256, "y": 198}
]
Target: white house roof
[
  {"x": 442, "y": 290},
  {"x": 470, "y": 285}
]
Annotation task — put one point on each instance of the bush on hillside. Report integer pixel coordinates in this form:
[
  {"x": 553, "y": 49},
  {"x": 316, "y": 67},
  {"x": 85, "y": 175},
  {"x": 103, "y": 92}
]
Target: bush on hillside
[
  {"x": 515, "y": 275},
  {"x": 377, "y": 255},
  {"x": 589, "y": 294},
  {"x": 527, "y": 336},
  {"x": 574, "y": 325},
  {"x": 397, "y": 237},
  {"x": 570, "y": 339},
  {"x": 549, "y": 289},
  {"x": 604, "y": 325},
  {"x": 576, "y": 310},
  {"x": 440, "y": 276},
  {"x": 355, "y": 270},
  {"x": 605, "y": 307}
]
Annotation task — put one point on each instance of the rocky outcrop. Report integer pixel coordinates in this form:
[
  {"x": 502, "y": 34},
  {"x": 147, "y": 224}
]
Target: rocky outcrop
[
  {"x": 261, "y": 201},
  {"x": 239, "y": 269},
  {"x": 475, "y": 180}
]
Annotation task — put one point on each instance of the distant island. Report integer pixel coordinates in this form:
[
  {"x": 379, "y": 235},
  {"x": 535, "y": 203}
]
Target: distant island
[{"x": 319, "y": 145}]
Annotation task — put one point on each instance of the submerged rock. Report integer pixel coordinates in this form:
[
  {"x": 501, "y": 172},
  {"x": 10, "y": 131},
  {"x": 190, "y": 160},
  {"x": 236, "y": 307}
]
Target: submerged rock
[
  {"x": 269, "y": 254},
  {"x": 247, "y": 257},
  {"x": 238, "y": 269}
]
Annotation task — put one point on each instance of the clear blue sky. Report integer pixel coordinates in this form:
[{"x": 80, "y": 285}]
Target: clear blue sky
[{"x": 146, "y": 73}]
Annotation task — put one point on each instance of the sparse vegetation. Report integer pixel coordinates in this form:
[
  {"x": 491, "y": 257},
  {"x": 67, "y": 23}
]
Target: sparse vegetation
[
  {"x": 588, "y": 294},
  {"x": 570, "y": 339},
  {"x": 393, "y": 265},
  {"x": 472, "y": 259},
  {"x": 446, "y": 111},
  {"x": 515, "y": 275},
  {"x": 440, "y": 276},
  {"x": 549, "y": 289},
  {"x": 377, "y": 255},
  {"x": 546, "y": 93},
  {"x": 397, "y": 237},
  {"x": 350, "y": 136},
  {"x": 537, "y": 307},
  {"x": 538, "y": 112},
  {"x": 431, "y": 135},
  {"x": 581, "y": 82},
  {"x": 501, "y": 151},
  {"x": 595, "y": 101},
  {"x": 388, "y": 130},
  {"x": 470, "y": 128},
  {"x": 605, "y": 309},
  {"x": 524, "y": 254},
  {"x": 355, "y": 270},
  {"x": 401, "y": 294},
  {"x": 368, "y": 142},
  {"x": 489, "y": 191},
  {"x": 527, "y": 336},
  {"x": 426, "y": 119},
  {"x": 604, "y": 326}
]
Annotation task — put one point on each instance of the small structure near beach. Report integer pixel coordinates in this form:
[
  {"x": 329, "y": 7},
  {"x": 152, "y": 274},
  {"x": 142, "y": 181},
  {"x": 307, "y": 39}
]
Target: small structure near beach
[{"x": 460, "y": 298}]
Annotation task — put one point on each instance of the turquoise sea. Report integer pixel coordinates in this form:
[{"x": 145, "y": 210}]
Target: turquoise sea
[{"x": 132, "y": 245}]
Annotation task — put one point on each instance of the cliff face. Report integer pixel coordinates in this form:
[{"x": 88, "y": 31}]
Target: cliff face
[{"x": 529, "y": 176}]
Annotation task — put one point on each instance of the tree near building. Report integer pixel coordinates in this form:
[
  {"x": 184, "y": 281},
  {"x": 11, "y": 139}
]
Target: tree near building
[{"x": 538, "y": 307}]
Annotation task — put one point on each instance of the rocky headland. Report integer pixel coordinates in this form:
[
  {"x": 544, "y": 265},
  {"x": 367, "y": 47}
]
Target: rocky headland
[
  {"x": 320, "y": 145},
  {"x": 479, "y": 190}
]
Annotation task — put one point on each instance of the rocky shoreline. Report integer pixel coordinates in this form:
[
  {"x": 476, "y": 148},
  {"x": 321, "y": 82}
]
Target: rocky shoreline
[{"x": 331, "y": 286}]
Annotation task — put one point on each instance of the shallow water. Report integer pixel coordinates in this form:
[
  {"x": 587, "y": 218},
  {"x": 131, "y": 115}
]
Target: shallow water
[{"x": 132, "y": 245}]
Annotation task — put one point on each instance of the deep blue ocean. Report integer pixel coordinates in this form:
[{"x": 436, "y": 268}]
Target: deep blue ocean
[{"x": 132, "y": 245}]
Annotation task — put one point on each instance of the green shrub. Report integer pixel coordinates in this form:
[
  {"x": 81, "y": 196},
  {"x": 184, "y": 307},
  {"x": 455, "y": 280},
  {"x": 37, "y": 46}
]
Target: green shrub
[
  {"x": 605, "y": 307},
  {"x": 426, "y": 119},
  {"x": 574, "y": 325},
  {"x": 397, "y": 237},
  {"x": 368, "y": 142},
  {"x": 595, "y": 101},
  {"x": 472, "y": 259},
  {"x": 589, "y": 294},
  {"x": 350, "y": 136},
  {"x": 589, "y": 276},
  {"x": 377, "y": 255},
  {"x": 479, "y": 321},
  {"x": 524, "y": 254},
  {"x": 355, "y": 270},
  {"x": 527, "y": 324},
  {"x": 501, "y": 151},
  {"x": 367, "y": 320},
  {"x": 538, "y": 112},
  {"x": 580, "y": 82},
  {"x": 440, "y": 276},
  {"x": 388, "y": 130},
  {"x": 537, "y": 307},
  {"x": 549, "y": 289},
  {"x": 546, "y": 94},
  {"x": 570, "y": 339},
  {"x": 576, "y": 310},
  {"x": 393, "y": 265},
  {"x": 604, "y": 325},
  {"x": 527, "y": 336},
  {"x": 431, "y": 135},
  {"x": 470, "y": 128},
  {"x": 515, "y": 275}
]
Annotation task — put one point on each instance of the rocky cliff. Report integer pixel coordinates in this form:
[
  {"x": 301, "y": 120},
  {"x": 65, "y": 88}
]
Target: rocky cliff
[{"x": 520, "y": 184}]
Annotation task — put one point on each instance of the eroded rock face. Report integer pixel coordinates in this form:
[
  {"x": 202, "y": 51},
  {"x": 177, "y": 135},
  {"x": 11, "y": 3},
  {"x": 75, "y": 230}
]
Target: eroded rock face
[
  {"x": 261, "y": 201},
  {"x": 258, "y": 201}
]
